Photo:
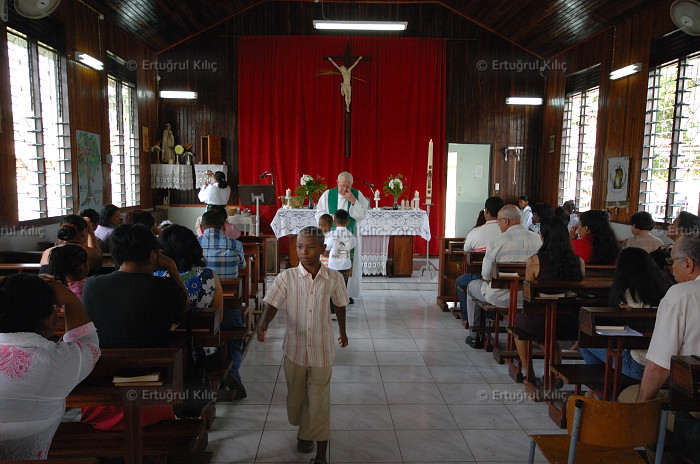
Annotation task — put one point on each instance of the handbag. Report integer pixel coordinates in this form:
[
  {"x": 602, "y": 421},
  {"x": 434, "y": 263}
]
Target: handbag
[{"x": 198, "y": 394}]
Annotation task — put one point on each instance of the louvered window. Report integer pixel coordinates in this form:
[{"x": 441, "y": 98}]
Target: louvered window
[
  {"x": 123, "y": 143},
  {"x": 671, "y": 155},
  {"x": 41, "y": 128},
  {"x": 578, "y": 147}
]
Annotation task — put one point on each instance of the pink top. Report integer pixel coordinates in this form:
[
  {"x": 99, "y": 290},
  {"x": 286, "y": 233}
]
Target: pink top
[
  {"x": 77, "y": 288},
  {"x": 231, "y": 231}
]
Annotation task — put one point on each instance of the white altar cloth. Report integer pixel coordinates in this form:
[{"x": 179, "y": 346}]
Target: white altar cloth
[
  {"x": 171, "y": 176},
  {"x": 376, "y": 229}
]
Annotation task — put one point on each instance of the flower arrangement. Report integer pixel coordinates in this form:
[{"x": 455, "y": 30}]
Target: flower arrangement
[
  {"x": 156, "y": 148},
  {"x": 179, "y": 149},
  {"x": 309, "y": 186},
  {"x": 394, "y": 186}
]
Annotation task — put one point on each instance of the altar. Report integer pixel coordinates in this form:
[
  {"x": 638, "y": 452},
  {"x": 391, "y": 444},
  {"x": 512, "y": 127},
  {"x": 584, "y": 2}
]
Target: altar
[{"x": 377, "y": 230}]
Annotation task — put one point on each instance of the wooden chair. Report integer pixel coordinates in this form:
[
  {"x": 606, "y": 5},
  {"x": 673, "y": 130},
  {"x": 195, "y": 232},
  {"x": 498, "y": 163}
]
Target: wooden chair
[{"x": 604, "y": 431}]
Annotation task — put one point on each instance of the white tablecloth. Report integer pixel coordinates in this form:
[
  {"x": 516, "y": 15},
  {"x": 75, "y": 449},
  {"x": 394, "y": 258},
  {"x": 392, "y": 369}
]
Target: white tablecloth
[
  {"x": 171, "y": 176},
  {"x": 376, "y": 229}
]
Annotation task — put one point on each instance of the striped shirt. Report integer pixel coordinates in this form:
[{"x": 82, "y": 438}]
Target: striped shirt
[
  {"x": 309, "y": 339},
  {"x": 515, "y": 245}
]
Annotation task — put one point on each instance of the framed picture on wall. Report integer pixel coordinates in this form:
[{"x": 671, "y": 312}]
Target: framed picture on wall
[{"x": 618, "y": 179}]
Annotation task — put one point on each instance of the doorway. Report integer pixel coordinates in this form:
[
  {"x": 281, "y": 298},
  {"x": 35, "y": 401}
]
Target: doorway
[{"x": 468, "y": 174}]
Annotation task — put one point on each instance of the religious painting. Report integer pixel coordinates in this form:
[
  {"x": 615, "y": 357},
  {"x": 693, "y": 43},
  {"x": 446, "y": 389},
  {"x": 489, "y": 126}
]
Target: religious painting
[
  {"x": 144, "y": 139},
  {"x": 618, "y": 179},
  {"x": 89, "y": 170}
]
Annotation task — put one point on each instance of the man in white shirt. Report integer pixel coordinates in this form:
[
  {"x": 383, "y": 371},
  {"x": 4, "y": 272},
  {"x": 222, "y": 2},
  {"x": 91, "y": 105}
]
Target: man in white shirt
[
  {"x": 677, "y": 327},
  {"x": 476, "y": 240},
  {"x": 515, "y": 245},
  {"x": 351, "y": 200}
]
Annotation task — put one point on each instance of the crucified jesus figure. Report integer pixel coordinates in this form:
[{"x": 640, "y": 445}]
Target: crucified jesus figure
[{"x": 345, "y": 88}]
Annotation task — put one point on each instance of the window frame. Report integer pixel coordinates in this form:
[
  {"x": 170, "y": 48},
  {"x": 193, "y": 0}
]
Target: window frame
[
  {"x": 127, "y": 158},
  {"x": 63, "y": 159}
]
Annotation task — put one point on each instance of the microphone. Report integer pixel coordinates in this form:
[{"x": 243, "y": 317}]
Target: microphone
[
  {"x": 368, "y": 183},
  {"x": 265, "y": 174}
]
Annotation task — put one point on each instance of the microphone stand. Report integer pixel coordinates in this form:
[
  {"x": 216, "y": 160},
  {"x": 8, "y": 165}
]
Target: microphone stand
[{"x": 428, "y": 265}]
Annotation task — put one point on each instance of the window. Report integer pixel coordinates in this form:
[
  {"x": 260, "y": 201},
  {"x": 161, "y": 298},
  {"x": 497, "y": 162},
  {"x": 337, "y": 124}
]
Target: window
[
  {"x": 578, "y": 147},
  {"x": 41, "y": 130},
  {"x": 123, "y": 143},
  {"x": 671, "y": 155}
]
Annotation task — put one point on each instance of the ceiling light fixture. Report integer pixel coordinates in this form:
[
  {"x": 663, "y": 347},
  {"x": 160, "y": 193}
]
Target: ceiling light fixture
[
  {"x": 626, "y": 71},
  {"x": 183, "y": 94},
  {"x": 327, "y": 24},
  {"x": 523, "y": 101},
  {"x": 89, "y": 61}
]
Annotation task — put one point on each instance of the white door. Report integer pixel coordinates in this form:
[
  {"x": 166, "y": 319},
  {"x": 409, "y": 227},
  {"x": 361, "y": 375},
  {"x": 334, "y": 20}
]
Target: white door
[{"x": 468, "y": 174}]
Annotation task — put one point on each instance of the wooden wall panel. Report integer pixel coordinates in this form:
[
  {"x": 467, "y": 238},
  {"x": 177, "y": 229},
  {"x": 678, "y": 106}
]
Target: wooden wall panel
[{"x": 622, "y": 102}]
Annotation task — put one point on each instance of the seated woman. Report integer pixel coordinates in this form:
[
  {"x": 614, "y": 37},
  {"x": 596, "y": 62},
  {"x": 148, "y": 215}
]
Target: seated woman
[
  {"x": 37, "y": 374},
  {"x": 180, "y": 244},
  {"x": 555, "y": 260},
  {"x": 133, "y": 309},
  {"x": 638, "y": 283},
  {"x": 109, "y": 219},
  {"x": 597, "y": 244},
  {"x": 140, "y": 216},
  {"x": 68, "y": 264},
  {"x": 75, "y": 229}
]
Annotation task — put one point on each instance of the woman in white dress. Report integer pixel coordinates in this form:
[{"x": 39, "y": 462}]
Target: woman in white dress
[{"x": 215, "y": 190}]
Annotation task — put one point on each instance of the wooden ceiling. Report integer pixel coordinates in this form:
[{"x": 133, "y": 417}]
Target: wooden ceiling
[{"x": 541, "y": 27}]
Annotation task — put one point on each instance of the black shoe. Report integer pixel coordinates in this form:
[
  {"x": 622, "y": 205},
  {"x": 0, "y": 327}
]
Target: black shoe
[
  {"x": 558, "y": 383},
  {"x": 352, "y": 301},
  {"x": 305, "y": 446},
  {"x": 233, "y": 383},
  {"x": 474, "y": 341}
]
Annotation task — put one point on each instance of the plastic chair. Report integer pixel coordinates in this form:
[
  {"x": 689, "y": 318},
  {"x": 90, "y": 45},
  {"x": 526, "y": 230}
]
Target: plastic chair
[{"x": 604, "y": 431}]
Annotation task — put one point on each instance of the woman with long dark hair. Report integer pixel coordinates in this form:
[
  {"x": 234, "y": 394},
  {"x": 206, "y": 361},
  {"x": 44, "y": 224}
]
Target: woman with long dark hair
[
  {"x": 555, "y": 260},
  {"x": 638, "y": 283},
  {"x": 110, "y": 218},
  {"x": 215, "y": 190},
  {"x": 598, "y": 244}
]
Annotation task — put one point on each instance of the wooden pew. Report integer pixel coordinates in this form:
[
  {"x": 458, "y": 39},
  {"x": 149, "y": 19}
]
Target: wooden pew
[
  {"x": 595, "y": 376},
  {"x": 17, "y": 268},
  {"x": 505, "y": 276},
  {"x": 684, "y": 391},
  {"x": 583, "y": 293},
  {"x": 78, "y": 440}
]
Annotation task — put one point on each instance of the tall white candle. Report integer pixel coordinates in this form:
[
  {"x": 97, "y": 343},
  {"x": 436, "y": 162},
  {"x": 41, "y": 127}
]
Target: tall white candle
[{"x": 429, "y": 180}]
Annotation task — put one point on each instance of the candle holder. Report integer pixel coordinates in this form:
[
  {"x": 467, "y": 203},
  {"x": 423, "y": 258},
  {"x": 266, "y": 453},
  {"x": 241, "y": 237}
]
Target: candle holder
[
  {"x": 376, "y": 203},
  {"x": 428, "y": 265}
]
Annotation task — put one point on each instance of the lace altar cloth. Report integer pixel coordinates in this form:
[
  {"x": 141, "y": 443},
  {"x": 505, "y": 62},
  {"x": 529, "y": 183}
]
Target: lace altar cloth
[
  {"x": 171, "y": 176},
  {"x": 200, "y": 172},
  {"x": 376, "y": 229}
]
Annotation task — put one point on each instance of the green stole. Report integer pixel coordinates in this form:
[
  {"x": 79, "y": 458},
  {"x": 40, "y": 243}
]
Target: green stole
[{"x": 333, "y": 207}]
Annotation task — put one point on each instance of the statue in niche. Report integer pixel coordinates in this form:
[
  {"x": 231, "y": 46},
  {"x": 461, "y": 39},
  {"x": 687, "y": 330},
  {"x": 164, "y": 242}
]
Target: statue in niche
[{"x": 168, "y": 146}]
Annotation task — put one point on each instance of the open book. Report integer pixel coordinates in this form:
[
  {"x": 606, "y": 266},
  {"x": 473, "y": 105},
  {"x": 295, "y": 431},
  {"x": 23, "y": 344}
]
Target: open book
[
  {"x": 139, "y": 380},
  {"x": 619, "y": 330},
  {"x": 554, "y": 296}
]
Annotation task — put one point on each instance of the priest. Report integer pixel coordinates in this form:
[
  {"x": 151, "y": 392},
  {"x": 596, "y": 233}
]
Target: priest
[{"x": 345, "y": 197}]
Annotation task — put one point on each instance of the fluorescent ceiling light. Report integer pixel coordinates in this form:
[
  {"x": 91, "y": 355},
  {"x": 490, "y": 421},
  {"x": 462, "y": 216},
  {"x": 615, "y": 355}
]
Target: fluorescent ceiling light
[
  {"x": 184, "y": 94},
  {"x": 361, "y": 25},
  {"x": 523, "y": 101},
  {"x": 626, "y": 71},
  {"x": 89, "y": 61}
]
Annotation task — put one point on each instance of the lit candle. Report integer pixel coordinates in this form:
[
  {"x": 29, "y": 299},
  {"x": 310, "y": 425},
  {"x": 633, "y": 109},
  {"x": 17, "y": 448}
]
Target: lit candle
[
  {"x": 288, "y": 193},
  {"x": 429, "y": 179},
  {"x": 416, "y": 196},
  {"x": 376, "y": 194}
]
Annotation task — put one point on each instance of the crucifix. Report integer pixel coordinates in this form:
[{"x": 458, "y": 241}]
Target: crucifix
[{"x": 345, "y": 86}]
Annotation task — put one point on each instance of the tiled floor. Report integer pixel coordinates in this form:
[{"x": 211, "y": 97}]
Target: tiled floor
[{"x": 406, "y": 389}]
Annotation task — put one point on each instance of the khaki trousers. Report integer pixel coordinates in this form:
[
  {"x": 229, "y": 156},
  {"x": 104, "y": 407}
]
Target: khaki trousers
[{"x": 309, "y": 400}]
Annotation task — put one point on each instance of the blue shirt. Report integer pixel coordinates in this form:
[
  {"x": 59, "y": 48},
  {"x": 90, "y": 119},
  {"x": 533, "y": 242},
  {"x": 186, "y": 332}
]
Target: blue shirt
[{"x": 223, "y": 255}]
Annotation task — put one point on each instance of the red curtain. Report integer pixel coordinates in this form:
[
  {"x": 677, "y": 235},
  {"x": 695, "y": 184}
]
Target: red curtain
[{"x": 291, "y": 115}]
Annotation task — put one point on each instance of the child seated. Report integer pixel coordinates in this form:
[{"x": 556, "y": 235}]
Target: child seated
[
  {"x": 69, "y": 264},
  {"x": 325, "y": 223}
]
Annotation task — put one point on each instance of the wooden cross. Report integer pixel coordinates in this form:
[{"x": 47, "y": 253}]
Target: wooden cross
[{"x": 347, "y": 60}]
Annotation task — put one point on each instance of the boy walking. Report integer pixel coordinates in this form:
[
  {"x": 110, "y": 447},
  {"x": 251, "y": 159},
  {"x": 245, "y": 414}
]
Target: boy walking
[{"x": 308, "y": 346}]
